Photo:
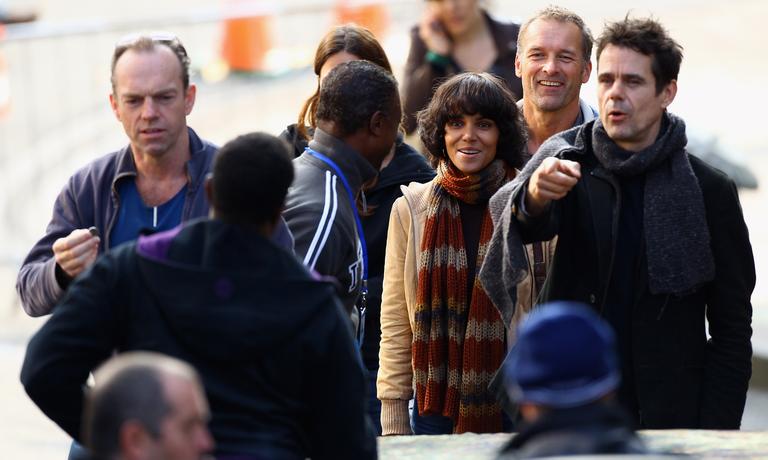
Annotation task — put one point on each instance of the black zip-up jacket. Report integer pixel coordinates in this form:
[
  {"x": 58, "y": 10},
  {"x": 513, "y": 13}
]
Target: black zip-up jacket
[
  {"x": 407, "y": 166},
  {"x": 272, "y": 345},
  {"x": 683, "y": 377},
  {"x": 321, "y": 217}
]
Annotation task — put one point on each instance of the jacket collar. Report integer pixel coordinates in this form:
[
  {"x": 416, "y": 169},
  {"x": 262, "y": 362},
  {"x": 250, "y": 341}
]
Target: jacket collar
[
  {"x": 356, "y": 168},
  {"x": 588, "y": 113},
  {"x": 406, "y": 166},
  {"x": 196, "y": 166},
  {"x": 417, "y": 195}
]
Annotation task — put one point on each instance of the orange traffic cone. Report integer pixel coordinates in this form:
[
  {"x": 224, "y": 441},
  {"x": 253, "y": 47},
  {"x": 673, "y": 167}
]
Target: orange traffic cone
[
  {"x": 246, "y": 43},
  {"x": 372, "y": 16}
]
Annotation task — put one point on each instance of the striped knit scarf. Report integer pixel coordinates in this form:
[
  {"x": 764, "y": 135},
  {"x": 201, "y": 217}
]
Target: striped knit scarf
[{"x": 458, "y": 339}]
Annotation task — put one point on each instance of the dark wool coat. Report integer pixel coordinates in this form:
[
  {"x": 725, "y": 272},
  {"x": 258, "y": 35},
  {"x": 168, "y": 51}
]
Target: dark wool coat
[{"x": 683, "y": 377}]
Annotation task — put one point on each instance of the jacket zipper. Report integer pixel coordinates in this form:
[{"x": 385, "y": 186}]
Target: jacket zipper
[{"x": 663, "y": 308}]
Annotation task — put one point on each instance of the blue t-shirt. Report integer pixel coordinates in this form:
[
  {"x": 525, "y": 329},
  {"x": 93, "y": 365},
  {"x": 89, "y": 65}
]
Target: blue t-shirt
[{"x": 134, "y": 216}]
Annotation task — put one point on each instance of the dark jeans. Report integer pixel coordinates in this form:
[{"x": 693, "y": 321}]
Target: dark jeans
[
  {"x": 437, "y": 424},
  {"x": 429, "y": 424}
]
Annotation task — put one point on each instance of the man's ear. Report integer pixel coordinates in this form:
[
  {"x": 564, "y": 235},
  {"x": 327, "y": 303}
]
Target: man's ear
[
  {"x": 113, "y": 104},
  {"x": 587, "y": 71},
  {"x": 518, "y": 65},
  {"x": 376, "y": 123},
  {"x": 134, "y": 440},
  {"x": 189, "y": 98},
  {"x": 531, "y": 412},
  {"x": 668, "y": 93}
]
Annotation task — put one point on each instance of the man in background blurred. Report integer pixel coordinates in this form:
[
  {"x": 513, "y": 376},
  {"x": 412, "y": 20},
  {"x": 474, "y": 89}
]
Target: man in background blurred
[
  {"x": 147, "y": 406},
  {"x": 563, "y": 372}
]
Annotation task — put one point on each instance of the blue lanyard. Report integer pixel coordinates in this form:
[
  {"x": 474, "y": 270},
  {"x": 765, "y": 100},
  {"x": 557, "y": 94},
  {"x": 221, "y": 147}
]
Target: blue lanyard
[{"x": 352, "y": 202}]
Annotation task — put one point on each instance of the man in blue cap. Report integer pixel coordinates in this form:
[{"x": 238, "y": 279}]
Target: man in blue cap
[{"x": 563, "y": 372}]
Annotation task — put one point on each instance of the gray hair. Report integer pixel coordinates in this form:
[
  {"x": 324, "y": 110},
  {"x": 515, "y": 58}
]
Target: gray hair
[{"x": 148, "y": 43}]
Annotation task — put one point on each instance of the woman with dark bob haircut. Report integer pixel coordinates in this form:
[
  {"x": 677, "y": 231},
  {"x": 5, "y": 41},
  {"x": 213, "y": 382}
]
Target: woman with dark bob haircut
[
  {"x": 474, "y": 93},
  {"x": 440, "y": 333}
]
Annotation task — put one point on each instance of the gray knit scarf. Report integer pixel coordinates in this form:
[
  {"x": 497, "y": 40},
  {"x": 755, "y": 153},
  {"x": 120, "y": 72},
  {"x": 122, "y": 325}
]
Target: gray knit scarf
[{"x": 674, "y": 220}]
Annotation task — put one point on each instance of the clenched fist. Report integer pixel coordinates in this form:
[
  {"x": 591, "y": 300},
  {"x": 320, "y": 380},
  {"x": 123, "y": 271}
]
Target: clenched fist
[
  {"x": 74, "y": 253},
  {"x": 552, "y": 180}
]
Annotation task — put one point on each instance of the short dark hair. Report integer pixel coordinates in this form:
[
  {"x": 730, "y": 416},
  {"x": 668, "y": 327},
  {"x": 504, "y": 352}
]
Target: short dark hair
[
  {"x": 560, "y": 14},
  {"x": 134, "y": 394},
  {"x": 350, "y": 38},
  {"x": 473, "y": 93},
  {"x": 352, "y": 92},
  {"x": 648, "y": 37},
  {"x": 149, "y": 43},
  {"x": 251, "y": 176}
]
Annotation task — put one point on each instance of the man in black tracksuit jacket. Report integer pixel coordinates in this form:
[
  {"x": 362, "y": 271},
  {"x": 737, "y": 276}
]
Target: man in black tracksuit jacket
[
  {"x": 358, "y": 115},
  {"x": 272, "y": 344},
  {"x": 405, "y": 166}
]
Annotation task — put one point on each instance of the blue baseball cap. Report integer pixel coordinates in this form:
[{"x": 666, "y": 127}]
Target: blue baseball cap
[{"x": 565, "y": 356}]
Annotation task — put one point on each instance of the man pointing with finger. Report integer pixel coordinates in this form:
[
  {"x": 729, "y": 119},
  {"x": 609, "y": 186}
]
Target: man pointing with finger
[
  {"x": 651, "y": 237},
  {"x": 155, "y": 182}
]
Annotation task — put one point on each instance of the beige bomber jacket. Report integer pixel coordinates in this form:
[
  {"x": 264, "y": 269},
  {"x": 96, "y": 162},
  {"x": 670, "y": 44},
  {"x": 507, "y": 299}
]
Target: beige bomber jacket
[{"x": 394, "y": 384}]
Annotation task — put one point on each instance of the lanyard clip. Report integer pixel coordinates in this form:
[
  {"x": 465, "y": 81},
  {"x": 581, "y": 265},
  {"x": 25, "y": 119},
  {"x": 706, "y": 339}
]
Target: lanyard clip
[{"x": 362, "y": 304}]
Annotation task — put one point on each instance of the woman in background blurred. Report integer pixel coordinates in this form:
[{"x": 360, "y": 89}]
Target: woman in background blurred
[{"x": 456, "y": 36}]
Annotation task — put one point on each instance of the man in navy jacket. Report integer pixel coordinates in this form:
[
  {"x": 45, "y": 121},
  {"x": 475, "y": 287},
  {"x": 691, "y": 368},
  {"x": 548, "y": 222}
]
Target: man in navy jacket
[{"x": 155, "y": 182}]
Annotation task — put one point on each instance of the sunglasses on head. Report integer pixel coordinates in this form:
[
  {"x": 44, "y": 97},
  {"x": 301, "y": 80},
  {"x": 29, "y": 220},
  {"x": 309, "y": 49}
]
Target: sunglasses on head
[{"x": 156, "y": 37}]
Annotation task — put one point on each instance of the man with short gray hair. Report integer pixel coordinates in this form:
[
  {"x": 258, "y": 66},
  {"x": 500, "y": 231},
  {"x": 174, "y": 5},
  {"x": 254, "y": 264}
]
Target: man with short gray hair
[
  {"x": 553, "y": 61},
  {"x": 155, "y": 182}
]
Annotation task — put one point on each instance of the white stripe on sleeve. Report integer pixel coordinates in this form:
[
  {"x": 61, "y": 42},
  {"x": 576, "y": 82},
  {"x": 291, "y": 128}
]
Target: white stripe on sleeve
[{"x": 326, "y": 222}]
